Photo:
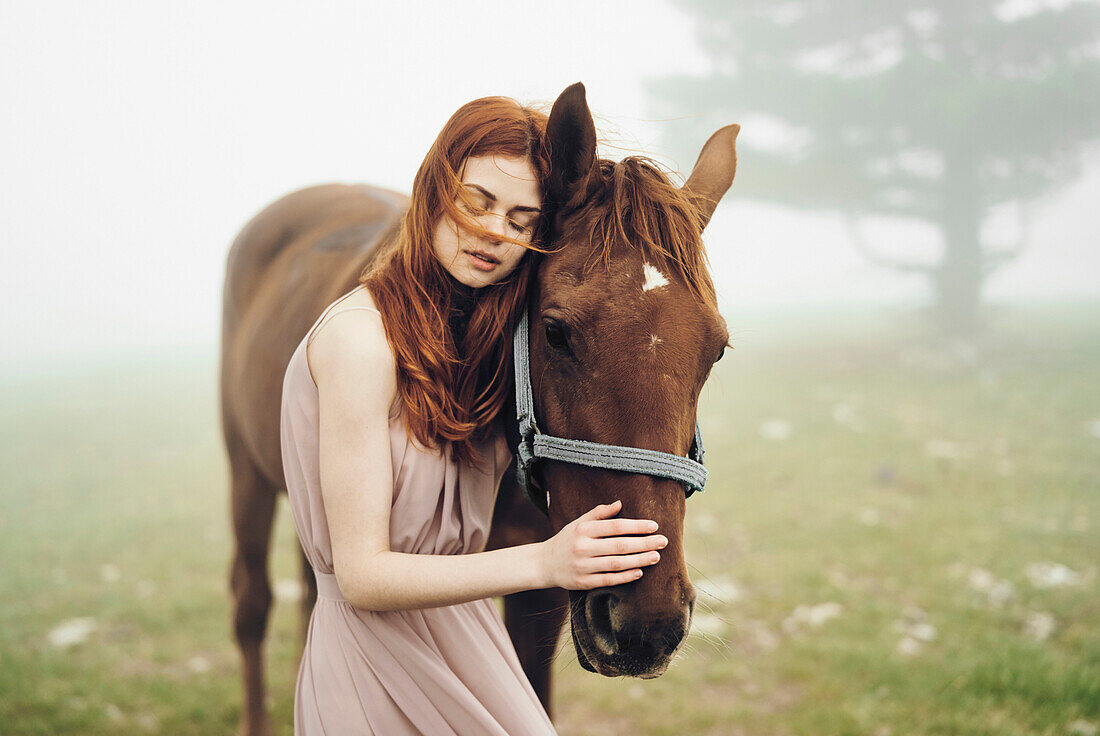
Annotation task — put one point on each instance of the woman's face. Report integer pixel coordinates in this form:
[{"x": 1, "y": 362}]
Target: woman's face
[{"x": 505, "y": 195}]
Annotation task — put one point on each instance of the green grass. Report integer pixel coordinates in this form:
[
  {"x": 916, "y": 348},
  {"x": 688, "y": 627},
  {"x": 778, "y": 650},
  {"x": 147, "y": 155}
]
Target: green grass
[{"x": 904, "y": 469}]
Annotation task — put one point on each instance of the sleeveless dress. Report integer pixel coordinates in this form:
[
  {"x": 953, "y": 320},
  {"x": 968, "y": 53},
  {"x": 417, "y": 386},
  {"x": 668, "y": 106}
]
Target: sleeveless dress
[{"x": 445, "y": 670}]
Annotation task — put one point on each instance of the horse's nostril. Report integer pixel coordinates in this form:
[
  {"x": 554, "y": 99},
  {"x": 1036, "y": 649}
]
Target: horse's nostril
[{"x": 600, "y": 606}]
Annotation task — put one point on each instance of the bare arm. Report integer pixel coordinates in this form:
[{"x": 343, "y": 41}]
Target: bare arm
[{"x": 354, "y": 369}]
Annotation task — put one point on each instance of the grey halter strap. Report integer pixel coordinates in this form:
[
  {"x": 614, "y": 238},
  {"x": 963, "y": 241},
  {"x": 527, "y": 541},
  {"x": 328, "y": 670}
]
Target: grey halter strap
[{"x": 534, "y": 445}]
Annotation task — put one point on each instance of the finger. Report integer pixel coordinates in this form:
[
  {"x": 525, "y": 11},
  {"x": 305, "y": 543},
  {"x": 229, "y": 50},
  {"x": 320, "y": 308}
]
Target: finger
[
  {"x": 625, "y": 545},
  {"x": 619, "y": 527},
  {"x": 604, "y": 511},
  {"x": 616, "y": 563},
  {"x": 607, "y": 579}
]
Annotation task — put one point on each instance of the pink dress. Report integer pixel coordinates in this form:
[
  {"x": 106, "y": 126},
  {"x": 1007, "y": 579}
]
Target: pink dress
[{"x": 446, "y": 670}]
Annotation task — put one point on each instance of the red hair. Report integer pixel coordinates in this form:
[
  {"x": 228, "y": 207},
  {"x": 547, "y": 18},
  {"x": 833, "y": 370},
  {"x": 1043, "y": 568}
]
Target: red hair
[{"x": 455, "y": 392}]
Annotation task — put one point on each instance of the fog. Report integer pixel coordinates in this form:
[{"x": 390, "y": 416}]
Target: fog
[{"x": 140, "y": 137}]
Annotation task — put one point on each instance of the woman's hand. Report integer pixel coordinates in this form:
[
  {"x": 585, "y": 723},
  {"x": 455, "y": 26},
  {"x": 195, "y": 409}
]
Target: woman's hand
[{"x": 591, "y": 551}]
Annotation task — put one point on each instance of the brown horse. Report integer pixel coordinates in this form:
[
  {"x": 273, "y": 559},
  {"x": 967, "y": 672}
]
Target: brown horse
[{"x": 618, "y": 355}]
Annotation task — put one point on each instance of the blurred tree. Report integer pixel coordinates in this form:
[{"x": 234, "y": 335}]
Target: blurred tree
[{"x": 935, "y": 110}]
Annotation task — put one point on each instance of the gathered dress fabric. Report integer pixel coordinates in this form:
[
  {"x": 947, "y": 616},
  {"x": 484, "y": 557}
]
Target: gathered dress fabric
[{"x": 445, "y": 670}]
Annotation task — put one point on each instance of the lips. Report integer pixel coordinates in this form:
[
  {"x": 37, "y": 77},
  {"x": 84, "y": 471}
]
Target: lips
[
  {"x": 483, "y": 256},
  {"x": 482, "y": 261}
]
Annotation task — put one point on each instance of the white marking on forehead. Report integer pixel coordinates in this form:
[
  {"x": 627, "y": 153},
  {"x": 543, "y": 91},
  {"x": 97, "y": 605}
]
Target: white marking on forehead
[
  {"x": 654, "y": 341},
  {"x": 654, "y": 279}
]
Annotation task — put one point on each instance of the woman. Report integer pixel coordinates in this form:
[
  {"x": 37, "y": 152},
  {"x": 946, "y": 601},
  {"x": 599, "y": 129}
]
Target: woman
[{"x": 393, "y": 452}]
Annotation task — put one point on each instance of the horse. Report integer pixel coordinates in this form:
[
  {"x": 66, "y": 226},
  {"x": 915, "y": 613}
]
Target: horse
[{"x": 617, "y": 355}]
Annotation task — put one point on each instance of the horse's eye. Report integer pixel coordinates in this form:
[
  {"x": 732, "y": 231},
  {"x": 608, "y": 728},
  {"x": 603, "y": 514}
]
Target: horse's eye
[
  {"x": 720, "y": 354},
  {"x": 556, "y": 337}
]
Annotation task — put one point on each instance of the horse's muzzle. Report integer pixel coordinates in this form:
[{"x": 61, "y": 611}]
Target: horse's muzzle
[{"x": 612, "y": 642}]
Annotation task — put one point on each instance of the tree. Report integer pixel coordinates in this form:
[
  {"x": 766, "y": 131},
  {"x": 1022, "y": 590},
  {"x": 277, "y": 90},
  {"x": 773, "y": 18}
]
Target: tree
[{"x": 937, "y": 110}]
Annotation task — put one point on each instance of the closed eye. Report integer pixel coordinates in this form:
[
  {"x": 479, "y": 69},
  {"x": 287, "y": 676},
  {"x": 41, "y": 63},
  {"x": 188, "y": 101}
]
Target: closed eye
[{"x": 473, "y": 209}]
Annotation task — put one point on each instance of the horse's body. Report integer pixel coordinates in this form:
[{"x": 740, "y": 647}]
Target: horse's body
[{"x": 308, "y": 248}]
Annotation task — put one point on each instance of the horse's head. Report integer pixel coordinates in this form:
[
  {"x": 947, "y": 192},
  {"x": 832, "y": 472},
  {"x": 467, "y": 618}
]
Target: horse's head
[{"x": 624, "y": 331}]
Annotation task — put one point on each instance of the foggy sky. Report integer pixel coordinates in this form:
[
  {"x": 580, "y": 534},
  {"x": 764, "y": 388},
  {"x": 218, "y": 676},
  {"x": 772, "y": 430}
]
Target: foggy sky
[{"x": 140, "y": 137}]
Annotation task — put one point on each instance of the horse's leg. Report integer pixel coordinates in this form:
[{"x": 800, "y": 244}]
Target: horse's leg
[
  {"x": 534, "y": 619},
  {"x": 253, "y": 508},
  {"x": 309, "y": 593}
]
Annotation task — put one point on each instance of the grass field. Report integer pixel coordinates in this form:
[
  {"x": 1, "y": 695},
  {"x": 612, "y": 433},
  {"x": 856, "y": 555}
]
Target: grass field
[{"x": 896, "y": 539}]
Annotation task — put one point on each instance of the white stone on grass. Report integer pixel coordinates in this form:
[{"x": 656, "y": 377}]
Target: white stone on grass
[
  {"x": 71, "y": 632},
  {"x": 721, "y": 589},
  {"x": 909, "y": 647},
  {"x": 846, "y": 416},
  {"x": 997, "y": 590},
  {"x": 914, "y": 624},
  {"x": 707, "y": 624},
  {"x": 703, "y": 521},
  {"x": 981, "y": 579},
  {"x": 775, "y": 429},
  {"x": 198, "y": 664},
  {"x": 869, "y": 516},
  {"x": 1038, "y": 625},
  {"x": 1001, "y": 593},
  {"x": 813, "y": 617},
  {"x": 147, "y": 721},
  {"x": 289, "y": 590},
  {"x": 1045, "y": 575},
  {"x": 943, "y": 449},
  {"x": 1081, "y": 727}
]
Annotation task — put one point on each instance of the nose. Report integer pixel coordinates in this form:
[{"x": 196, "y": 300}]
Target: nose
[
  {"x": 615, "y": 633},
  {"x": 495, "y": 224}
]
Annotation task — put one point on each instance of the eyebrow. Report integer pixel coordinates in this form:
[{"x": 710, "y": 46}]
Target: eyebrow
[{"x": 492, "y": 198}]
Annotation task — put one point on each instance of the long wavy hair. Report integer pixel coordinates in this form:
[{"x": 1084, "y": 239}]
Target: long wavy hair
[{"x": 454, "y": 392}]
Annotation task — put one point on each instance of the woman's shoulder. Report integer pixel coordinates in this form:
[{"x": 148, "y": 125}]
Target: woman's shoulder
[{"x": 350, "y": 345}]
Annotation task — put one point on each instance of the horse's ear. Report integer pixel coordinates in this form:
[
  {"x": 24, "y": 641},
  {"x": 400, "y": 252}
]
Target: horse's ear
[
  {"x": 571, "y": 137},
  {"x": 714, "y": 170}
]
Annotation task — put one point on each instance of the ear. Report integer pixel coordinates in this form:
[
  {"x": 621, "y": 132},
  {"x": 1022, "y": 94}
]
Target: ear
[
  {"x": 571, "y": 137},
  {"x": 714, "y": 170}
]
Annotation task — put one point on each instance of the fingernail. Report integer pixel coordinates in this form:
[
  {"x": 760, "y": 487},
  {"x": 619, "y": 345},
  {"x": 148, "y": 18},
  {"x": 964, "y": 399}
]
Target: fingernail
[
  {"x": 653, "y": 526},
  {"x": 663, "y": 542},
  {"x": 637, "y": 573}
]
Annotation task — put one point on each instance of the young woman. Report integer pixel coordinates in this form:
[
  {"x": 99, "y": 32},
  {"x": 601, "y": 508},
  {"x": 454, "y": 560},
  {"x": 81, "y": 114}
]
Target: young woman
[{"x": 393, "y": 452}]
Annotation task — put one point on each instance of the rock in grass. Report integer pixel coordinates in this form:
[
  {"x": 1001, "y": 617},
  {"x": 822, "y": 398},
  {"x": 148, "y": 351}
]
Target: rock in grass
[
  {"x": 1038, "y": 625},
  {"x": 1044, "y": 575},
  {"x": 71, "y": 632},
  {"x": 289, "y": 590},
  {"x": 813, "y": 617},
  {"x": 1081, "y": 727},
  {"x": 775, "y": 429}
]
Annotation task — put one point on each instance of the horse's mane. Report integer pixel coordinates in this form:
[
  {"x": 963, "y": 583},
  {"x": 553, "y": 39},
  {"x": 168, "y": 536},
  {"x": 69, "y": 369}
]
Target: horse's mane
[{"x": 639, "y": 205}]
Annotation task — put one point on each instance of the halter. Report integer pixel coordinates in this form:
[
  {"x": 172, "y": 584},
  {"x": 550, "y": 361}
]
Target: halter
[{"x": 533, "y": 444}]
